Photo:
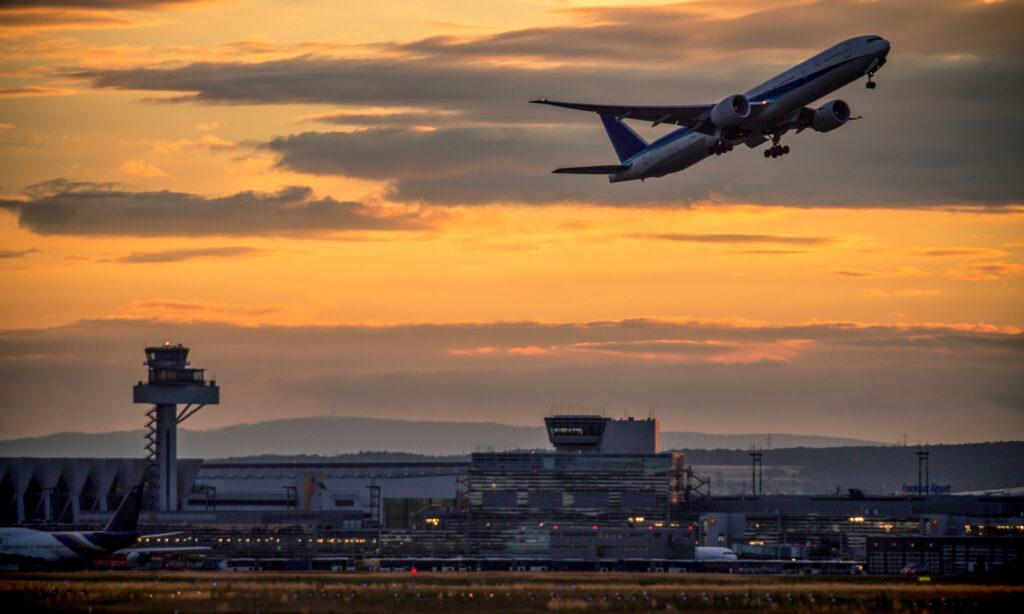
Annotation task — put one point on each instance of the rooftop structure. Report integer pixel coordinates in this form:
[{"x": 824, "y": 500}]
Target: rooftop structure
[{"x": 601, "y": 435}]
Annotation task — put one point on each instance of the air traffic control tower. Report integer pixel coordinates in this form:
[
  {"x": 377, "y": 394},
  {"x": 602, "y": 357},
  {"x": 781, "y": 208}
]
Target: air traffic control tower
[{"x": 171, "y": 383}]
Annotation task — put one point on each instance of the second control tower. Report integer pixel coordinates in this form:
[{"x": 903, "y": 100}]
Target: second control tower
[{"x": 171, "y": 383}]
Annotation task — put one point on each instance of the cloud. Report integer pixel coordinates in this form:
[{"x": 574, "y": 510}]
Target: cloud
[
  {"x": 383, "y": 153},
  {"x": 908, "y": 293},
  {"x": 62, "y": 185},
  {"x": 734, "y": 238},
  {"x": 903, "y": 271},
  {"x": 180, "y": 255},
  {"x": 85, "y": 209},
  {"x": 656, "y": 351},
  {"x": 388, "y": 119},
  {"x": 25, "y": 17},
  {"x": 31, "y": 91},
  {"x": 961, "y": 252},
  {"x": 30, "y": 21},
  {"x": 185, "y": 311},
  {"x": 686, "y": 31},
  {"x": 207, "y": 142},
  {"x": 95, "y": 4},
  {"x": 986, "y": 271},
  {"x": 942, "y": 382},
  {"x": 141, "y": 168},
  {"x": 15, "y": 253},
  {"x": 774, "y": 252}
]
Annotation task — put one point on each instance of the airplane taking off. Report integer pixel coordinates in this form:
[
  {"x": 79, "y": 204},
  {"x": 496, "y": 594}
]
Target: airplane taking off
[
  {"x": 766, "y": 112},
  {"x": 35, "y": 548}
]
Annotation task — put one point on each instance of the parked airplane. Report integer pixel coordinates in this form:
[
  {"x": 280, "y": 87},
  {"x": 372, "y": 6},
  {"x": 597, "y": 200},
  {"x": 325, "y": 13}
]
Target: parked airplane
[
  {"x": 766, "y": 112},
  {"x": 34, "y": 548}
]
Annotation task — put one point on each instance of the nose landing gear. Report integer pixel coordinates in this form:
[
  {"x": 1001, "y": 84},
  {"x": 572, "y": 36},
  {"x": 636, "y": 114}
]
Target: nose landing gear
[{"x": 871, "y": 84}]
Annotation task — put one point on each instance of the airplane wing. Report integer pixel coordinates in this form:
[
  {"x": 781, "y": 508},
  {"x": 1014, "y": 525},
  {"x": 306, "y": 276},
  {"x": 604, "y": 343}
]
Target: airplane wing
[
  {"x": 692, "y": 116},
  {"x": 159, "y": 535},
  {"x": 592, "y": 170},
  {"x": 163, "y": 549}
]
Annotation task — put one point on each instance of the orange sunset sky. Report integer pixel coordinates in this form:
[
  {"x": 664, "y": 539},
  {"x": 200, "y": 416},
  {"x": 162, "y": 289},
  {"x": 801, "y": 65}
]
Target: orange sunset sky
[{"x": 347, "y": 208}]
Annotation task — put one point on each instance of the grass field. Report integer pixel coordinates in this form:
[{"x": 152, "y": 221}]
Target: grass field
[{"x": 188, "y": 592}]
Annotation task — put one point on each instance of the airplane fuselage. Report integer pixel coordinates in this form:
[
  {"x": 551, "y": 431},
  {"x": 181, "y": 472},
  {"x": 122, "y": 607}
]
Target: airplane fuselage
[
  {"x": 774, "y": 101},
  {"x": 19, "y": 544}
]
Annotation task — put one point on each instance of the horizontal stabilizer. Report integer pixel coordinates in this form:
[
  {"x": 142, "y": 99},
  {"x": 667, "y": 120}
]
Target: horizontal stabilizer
[{"x": 592, "y": 170}]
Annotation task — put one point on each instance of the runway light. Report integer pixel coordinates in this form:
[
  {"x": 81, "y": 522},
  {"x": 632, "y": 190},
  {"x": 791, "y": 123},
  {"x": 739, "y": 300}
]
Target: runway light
[{"x": 856, "y": 519}]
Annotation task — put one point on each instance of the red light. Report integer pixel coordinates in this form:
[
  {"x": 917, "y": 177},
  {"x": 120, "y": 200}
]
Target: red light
[
  {"x": 555, "y": 527},
  {"x": 413, "y": 571},
  {"x": 650, "y": 527},
  {"x": 689, "y": 527},
  {"x": 593, "y": 526}
]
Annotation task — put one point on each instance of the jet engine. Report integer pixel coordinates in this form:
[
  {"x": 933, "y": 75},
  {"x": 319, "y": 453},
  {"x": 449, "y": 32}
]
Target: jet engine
[
  {"x": 830, "y": 116},
  {"x": 138, "y": 559},
  {"x": 730, "y": 111}
]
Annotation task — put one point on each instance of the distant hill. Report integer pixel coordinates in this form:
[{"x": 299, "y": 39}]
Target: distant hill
[
  {"x": 330, "y": 435},
  {"x": 793, "y": 464}
]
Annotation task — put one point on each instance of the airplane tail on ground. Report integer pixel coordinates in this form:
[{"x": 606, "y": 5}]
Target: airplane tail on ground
[
  {"x": 626, "y": 142},
  {"x": 126, "y": 518}
]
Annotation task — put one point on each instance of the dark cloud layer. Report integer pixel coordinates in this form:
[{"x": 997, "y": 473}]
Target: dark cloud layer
[
  {"x": 180, "y": 255},
  {"x": 86, "y": 210},
  {"x": 939, "y": 383},
  {"x": 686, "y": 31},
  {"x": 15, "y": 253},
  {"x": 730, "y": 238},
  {"x": 25, "y": 16},
  {"x": 94, "y": 4}
]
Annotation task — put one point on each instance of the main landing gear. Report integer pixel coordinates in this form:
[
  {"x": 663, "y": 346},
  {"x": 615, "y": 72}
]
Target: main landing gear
[
  {"x": 871, "y": 84},
  {"x": 776, "y": 150},
  {"x": 720, "y": 147}
]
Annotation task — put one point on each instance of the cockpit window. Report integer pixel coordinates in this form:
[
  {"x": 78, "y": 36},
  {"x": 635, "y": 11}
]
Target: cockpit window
[{"x": 873, "y": 39}]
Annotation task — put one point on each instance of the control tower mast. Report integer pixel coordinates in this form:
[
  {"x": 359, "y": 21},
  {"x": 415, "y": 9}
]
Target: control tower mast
[{"x": 171, "y": 383}]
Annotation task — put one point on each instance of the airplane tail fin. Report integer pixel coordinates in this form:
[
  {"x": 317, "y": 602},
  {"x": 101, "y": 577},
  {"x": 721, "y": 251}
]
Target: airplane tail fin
[
  {"x": 126, "y": 518},
  {"x": 626, "y": 142}
]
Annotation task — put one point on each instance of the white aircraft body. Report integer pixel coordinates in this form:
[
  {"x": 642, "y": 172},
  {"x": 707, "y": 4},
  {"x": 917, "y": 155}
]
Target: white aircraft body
[
  {"x": 34, "y": 548},
  {"x": 714, "y": 553},
  {"x": 764, "y": 113}
]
